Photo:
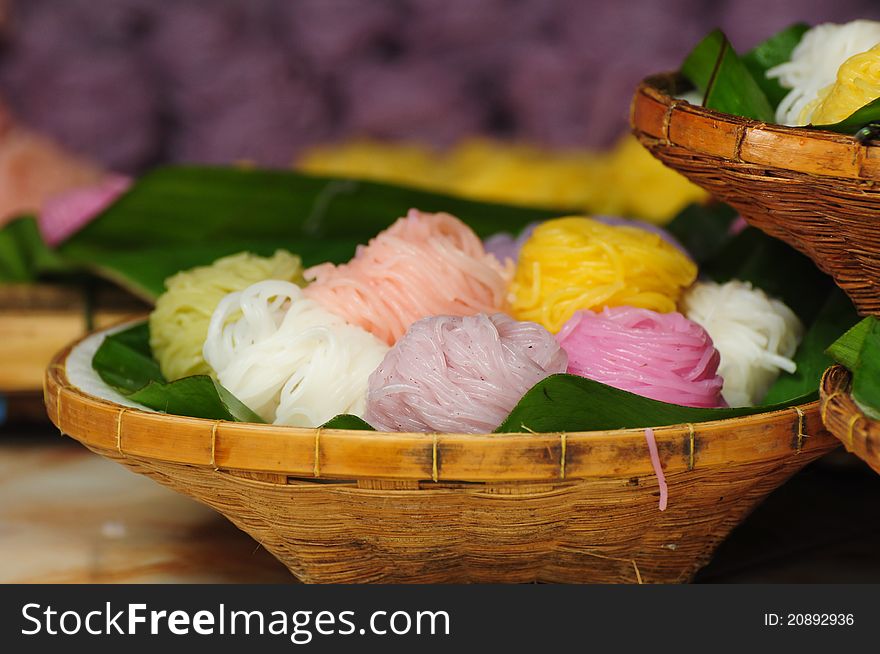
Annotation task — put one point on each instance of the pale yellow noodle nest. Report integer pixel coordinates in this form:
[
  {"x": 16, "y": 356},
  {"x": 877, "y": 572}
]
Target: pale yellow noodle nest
[{"x": 179, "y": 323}]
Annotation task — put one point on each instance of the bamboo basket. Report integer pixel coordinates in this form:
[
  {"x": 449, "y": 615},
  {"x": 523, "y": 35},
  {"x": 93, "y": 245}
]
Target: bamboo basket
[
  {"x": 817, "y": 191},
  {"x": 355, "y": 506},
  {"x": 843, "y": 418}
]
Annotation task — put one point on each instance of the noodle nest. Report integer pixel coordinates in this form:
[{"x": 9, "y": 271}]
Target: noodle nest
[
  {"x": 572, "y": 264},
  {"x": 460, "y": 374},
  {"x": 663, "y": 356},
  {"x": 426, "y": 264},
  {"x": 179, "y": 323},
  {"x": 289, "y": 359},
  {"x": 755, "y": 335}
]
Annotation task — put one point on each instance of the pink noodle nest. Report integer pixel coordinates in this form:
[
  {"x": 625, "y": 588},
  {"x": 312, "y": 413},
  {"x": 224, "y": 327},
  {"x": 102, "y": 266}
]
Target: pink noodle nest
[
  {"x": 460, "y": 374},
  {"x": 663, "y": 356},
  {"x": 425, "y": 264}
]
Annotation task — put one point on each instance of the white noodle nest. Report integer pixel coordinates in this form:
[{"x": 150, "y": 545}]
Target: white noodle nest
[
  {"x": 755, "y": 335},
  {"x": 289, "y": 359}
]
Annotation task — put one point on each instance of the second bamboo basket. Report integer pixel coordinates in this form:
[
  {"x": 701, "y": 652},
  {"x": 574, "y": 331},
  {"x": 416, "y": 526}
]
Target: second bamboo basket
[{"x": 817, "y": 191}]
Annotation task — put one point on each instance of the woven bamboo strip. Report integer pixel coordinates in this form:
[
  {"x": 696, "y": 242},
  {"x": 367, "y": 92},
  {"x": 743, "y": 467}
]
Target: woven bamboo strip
[{"x": 346, "y": 454}]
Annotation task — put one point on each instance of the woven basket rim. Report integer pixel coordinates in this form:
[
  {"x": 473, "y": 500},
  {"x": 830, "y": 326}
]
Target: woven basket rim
[
  {"x": 859, "y": 433},
  {"x": 655, "y": 113},
  {"x": 342, "y": 454}
]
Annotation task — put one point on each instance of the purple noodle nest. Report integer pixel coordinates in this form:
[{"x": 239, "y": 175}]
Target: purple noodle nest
[{"x": 460, "y": 374}]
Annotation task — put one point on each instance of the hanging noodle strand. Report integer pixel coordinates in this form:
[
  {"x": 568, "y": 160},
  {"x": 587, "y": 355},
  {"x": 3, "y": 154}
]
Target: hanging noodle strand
[
  {"x": 658, "y": 468},
  {"x": 423, "y": 265},
  {"x": 289, "y": 359}
]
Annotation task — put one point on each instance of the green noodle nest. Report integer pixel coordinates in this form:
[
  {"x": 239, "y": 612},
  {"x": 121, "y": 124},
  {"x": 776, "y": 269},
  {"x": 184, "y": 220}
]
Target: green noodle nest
[{"x": 179, "y": 323}]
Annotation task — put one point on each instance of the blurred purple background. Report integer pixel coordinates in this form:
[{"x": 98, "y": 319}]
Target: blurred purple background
[{"x": 134, "y": 83}]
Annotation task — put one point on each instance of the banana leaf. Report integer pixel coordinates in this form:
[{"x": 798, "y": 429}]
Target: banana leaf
[
  {"x": 845, "y": 350},
  {"x": 777, "y": 50},
  {"x": 23, "y": 254},
  {"x": 703, "y": 229},
  {"x": 198, "y": 396},
  {"x": 571, "y": 403},
  {"x": 191, "y": 205},
  {"x": 786, "y": 274},
  {"x": 143, "y": 271},
  {"x": 347, "y": 421},
  {"x": 836, "y": 317},
  {"x": 859, "y": 351},
  {"x": 125, "y": 362},
  {"x": 866, "y": 376},
  {"x": 739, "y": 85},
  {"x": 176, "y": 218},
  {"x": 717, "y": 71}
]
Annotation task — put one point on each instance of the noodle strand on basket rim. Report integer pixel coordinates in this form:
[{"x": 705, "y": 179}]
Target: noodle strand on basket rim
[
  {"x": 289, "y": 359},
  {"x": 658, "y": 468},
  {"x": 425, "y": 264}
]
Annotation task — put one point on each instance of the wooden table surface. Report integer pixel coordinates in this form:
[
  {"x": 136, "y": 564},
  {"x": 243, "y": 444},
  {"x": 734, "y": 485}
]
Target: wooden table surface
[{"x": 67, "y": 515}]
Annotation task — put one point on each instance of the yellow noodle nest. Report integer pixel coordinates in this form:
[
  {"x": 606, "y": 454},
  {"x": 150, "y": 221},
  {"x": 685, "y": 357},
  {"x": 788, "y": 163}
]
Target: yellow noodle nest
[
  {"x": 858, "y": 83},
  {"x": 578, "y": 263},
  {"x": 625, "y": 181},
  {"x": 179, "y": 323}
]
